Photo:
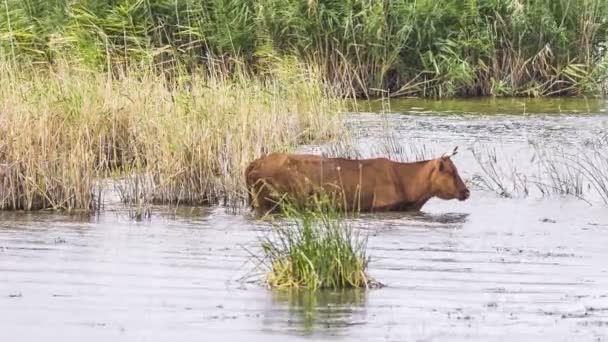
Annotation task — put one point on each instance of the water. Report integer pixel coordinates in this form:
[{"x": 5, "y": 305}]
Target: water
[{"x": 525, "y": 268}]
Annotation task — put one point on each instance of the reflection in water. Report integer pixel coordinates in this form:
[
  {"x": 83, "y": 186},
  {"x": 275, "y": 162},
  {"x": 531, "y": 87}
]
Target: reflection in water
[
  {"x": 487, "y": 269},
  {"x": 421, "y": 216},
  {"x": 379, "y": 222},
  {"x": 515, "y": 106},
  {"x": 324, "y": 312},
  {"x": 447, "y": 218}
]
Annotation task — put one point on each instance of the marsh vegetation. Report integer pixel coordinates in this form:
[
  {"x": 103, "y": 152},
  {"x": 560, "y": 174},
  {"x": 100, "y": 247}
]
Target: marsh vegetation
[
  {"x": 173, "y": 98},
  {"x": 549, "y": 171},
  {"x": 314, "y": 248},
  {"x": 403, "y": 47},
  {"x": 184, "y": 140}
]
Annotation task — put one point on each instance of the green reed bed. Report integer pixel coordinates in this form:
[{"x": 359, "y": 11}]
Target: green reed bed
[
  {"x": 409, "y": 47},
  {"x": 315, "y": 248}
]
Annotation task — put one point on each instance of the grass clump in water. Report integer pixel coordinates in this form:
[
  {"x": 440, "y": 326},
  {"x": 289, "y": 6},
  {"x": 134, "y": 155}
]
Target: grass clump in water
[{"x": 319, "y": 249}]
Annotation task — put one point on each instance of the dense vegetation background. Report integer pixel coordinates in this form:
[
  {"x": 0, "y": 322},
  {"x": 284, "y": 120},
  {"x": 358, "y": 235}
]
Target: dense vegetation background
[{"x": 409, "y": 47}]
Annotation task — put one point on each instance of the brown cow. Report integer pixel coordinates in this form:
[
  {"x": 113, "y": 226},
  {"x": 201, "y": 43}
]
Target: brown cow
[{"x": 364, "y": 185}]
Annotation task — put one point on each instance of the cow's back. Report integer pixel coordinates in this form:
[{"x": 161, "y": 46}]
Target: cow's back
[
  {"x": 264, "y": 166},
  {"x": 359, "y": 184}
]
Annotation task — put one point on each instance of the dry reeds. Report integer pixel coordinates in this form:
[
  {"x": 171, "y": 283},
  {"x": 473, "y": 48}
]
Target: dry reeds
[
  {"x": 184, "y": 139},
  {"x": 579, "y": 171}
]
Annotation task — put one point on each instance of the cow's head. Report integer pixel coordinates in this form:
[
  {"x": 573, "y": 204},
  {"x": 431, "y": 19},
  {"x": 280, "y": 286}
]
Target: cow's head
[{"x": 445, "y": 180}]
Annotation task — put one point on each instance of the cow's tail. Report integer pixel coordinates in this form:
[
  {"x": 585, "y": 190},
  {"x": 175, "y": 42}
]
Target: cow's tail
[
  {"x": 251, "y": 175},
  {"x": 249, "y": 181}
]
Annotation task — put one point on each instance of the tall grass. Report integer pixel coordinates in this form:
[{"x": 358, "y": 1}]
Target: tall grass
[
  {"x": 578, "y": 171},
  {"x": 590, "y": 164},
  {"x": 499, "y": 174},
  {"x": 318, "y": 249},
  {"x": 185, "y": 139},
  {"x": 409, "y": 47}
]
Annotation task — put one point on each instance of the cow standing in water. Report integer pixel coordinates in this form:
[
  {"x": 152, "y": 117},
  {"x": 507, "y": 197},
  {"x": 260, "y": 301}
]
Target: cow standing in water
[{"x": 363, "y": 185}]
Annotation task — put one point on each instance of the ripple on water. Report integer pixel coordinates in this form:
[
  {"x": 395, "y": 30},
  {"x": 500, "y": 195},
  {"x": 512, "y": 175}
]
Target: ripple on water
[{"x": 486, "y": 269}]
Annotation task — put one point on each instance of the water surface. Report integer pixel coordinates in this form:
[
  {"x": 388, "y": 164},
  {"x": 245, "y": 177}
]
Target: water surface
[{"x": 491, "y": 268}]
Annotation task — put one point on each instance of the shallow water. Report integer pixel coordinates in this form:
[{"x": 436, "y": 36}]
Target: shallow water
[{"x": 490, "y": 268}]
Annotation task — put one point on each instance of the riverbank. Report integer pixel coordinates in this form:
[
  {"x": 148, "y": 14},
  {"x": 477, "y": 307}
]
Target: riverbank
[{"x": 418, "y": 48}]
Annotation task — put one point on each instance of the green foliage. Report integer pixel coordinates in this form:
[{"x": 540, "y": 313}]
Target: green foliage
[
  {"x": 319, "y": 249},
  {"x": 410, "y": 47}
]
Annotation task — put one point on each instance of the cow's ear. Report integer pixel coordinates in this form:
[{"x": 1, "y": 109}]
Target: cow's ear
[
  {"x": 445, "y": 156},
  {"x": 440, "y": 164}
]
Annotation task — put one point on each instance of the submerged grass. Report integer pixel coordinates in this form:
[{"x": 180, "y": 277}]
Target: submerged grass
[
  {"x": 184, "y": 139},
  {"x": 579, "y": 171},
  {"x": 318, "y": 249},
  {"x": 590, "y": 164}
]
